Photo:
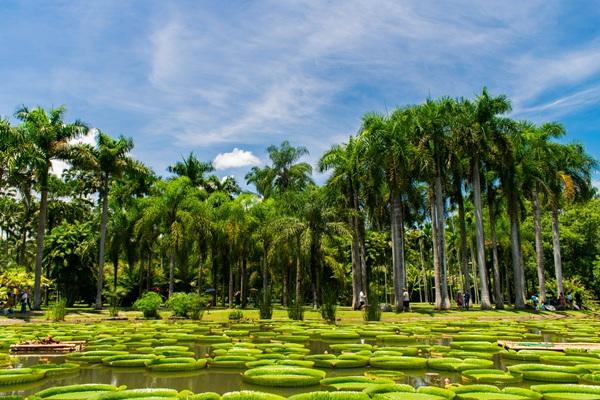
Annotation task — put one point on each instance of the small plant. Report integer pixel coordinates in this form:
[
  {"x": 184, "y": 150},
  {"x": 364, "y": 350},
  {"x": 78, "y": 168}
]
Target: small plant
[
  {"x": 149, "y": 304},
  {"x": 329, "y": 306},
  {"x": 296, "y": 311},
  {"x": 236, "y": 315},
  {"x": 178, "y": 303},
  {"x": 196, "y": 305},
  {"x": 58, "y": 310},
  {"x": 265, "y": 304},
  {"x": 114, "y": 297},
  {"x": 372, "y": 311}
]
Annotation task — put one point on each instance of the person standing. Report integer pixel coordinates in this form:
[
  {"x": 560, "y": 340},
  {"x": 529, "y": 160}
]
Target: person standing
[
  {"x": 459, "y": 300},
  {"x": 24, "y": 301},
  {"x": 467, "y": 297},
  {"x": 405, "y": 300},
  {"x": 362, "y": 300}
]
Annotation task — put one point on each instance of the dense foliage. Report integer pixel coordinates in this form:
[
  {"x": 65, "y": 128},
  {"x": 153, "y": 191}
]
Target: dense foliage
[{"x": 442, "y": 197}]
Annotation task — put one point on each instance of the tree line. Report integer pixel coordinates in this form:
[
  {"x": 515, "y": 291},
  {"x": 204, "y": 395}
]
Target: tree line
[{"x": 444, "y": 196}]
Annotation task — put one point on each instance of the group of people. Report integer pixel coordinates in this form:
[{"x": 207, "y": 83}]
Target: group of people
[
  {"x": 463, "y": 300},
  {"x": 362, "y": 300},
  {"x": 16, "y": 297},
  {"x": 553, "y": 304}
]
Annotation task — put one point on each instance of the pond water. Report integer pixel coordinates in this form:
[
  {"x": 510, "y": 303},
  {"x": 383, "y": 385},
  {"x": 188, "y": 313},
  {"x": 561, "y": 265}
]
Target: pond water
[{"x": 222, "y": 380}]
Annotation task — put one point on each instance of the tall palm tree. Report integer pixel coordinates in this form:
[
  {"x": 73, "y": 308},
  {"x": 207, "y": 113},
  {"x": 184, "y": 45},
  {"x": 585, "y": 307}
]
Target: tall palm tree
[
  {"x": 169, "y": 208},
  {"x": 43, "y": 136},
  {"x": 431, "y": 121},
  {"x": 346, "y": 162},
  {"x": 537, "y": 167},
  {"x": 108, "y": 161},
  {"x": 570, "y": 179},
  {"x": 391, "y": 158},
  {"x": 482, "y": 120},
  {"x": 506, "y": 151}
]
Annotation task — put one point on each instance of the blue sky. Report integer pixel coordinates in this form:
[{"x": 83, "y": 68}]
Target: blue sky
[{"x": 229, "y": 78}]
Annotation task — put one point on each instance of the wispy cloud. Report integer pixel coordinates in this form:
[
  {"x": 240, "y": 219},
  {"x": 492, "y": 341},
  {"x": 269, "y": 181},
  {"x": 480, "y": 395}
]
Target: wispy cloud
[{"x": 181, "y": 76}]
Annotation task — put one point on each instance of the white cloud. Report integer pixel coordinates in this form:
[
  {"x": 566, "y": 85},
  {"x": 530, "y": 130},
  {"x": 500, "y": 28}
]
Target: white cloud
[{"x": 235, "y": 159}]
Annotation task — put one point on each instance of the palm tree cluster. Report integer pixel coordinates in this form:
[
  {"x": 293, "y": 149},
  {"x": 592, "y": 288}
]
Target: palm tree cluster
[{"x": 432, "y": 196}]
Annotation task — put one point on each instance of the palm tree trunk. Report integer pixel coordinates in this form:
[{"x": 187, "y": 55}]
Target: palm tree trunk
[
  {"x": 519, "y": 276},
  {"x": 200, "y": 265},
  {"x": 284, "y": 291},
  {"x": 498, "y": 297},
  {"x": 485, "y": 293},
  {"x": 171, "y": 272},
  {"x": 424, "y": 277},
  {"x": 397, "y": 248},
  {"x": 115, "y": 270},
  {"x": 556, "y": 250},
  {"x": 103, "y": 219},
  {"x": 355, "y": 256},
  {"x": 298, "y": 280},
  {"x": 230, "y": 286},
  {"x": 243, "y": 282},
  {"x": 363, "y": 256},
  {"x": 41, "y": 231},
  {"x": 264, "y": 273},
  {"x": 539, "y": 245},
  {"x": 464, "y": 260},
  {"x": 439, "y": 205},
  {"x": 436, "y": 256}
]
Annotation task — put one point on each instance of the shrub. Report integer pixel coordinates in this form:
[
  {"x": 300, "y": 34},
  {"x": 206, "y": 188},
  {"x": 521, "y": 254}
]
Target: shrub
[
  {"x": 178, "y": 304},
  {"x": 196, "y": 305},
  {"x": 296, "y": 312},
  {"x": 236, "y": 315},
  {"x": 372, "y": 311},
  {"x": 58, "y": 310},
  {"x": 265, "y": 304},
  {"x": 149, "y": 304},
  {"x": 329, "y": 306}
]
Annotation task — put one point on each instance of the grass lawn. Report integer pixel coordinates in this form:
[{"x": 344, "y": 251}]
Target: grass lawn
[{"x": 345, "y": 315}]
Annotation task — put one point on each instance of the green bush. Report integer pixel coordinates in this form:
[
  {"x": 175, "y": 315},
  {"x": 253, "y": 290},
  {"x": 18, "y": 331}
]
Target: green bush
[
  {"x": 197, "y": 303},
  {"x": 58, "y": 310},
  {"x": 265, "y": 304},
  {"x": 178, "y": 304},
  {"x": 296, "y": 312},
  {"x": 372, "y": 311},
  {"x": 329, "y": 306},
  {"x": 236, "y": 315},
  {"x": 149, "y": 304}
]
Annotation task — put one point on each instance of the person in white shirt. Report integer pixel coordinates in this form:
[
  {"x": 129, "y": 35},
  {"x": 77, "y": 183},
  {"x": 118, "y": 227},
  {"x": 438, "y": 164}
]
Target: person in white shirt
[
  {"x": 405, "y": 300},
  {"x": 362, "y": 300}
]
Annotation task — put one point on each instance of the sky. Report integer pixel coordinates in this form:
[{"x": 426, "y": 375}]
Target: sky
[{"x": 226, "y": 79}]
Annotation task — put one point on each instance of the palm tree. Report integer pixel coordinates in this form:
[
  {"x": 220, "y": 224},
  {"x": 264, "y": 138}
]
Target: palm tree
[
  {"x": 193, "y": 168},
  {"x": 507, "y": 149},
  {"x": 309, "y": 228},
  {"x": 170, "y": 208},
  {"x": 43, "y": 137},
  {"x": 537, "y": 167},
  {"x": 285, "y": 173},
  {"x": 391, "y": 158},
  {"x": 345, "y": 161},
  {"x": 570, "y": 179},
  {"x": 108, "y": 161},
  {"x": 431, "y": 121},
  {"x": 474, "y": 133}
]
